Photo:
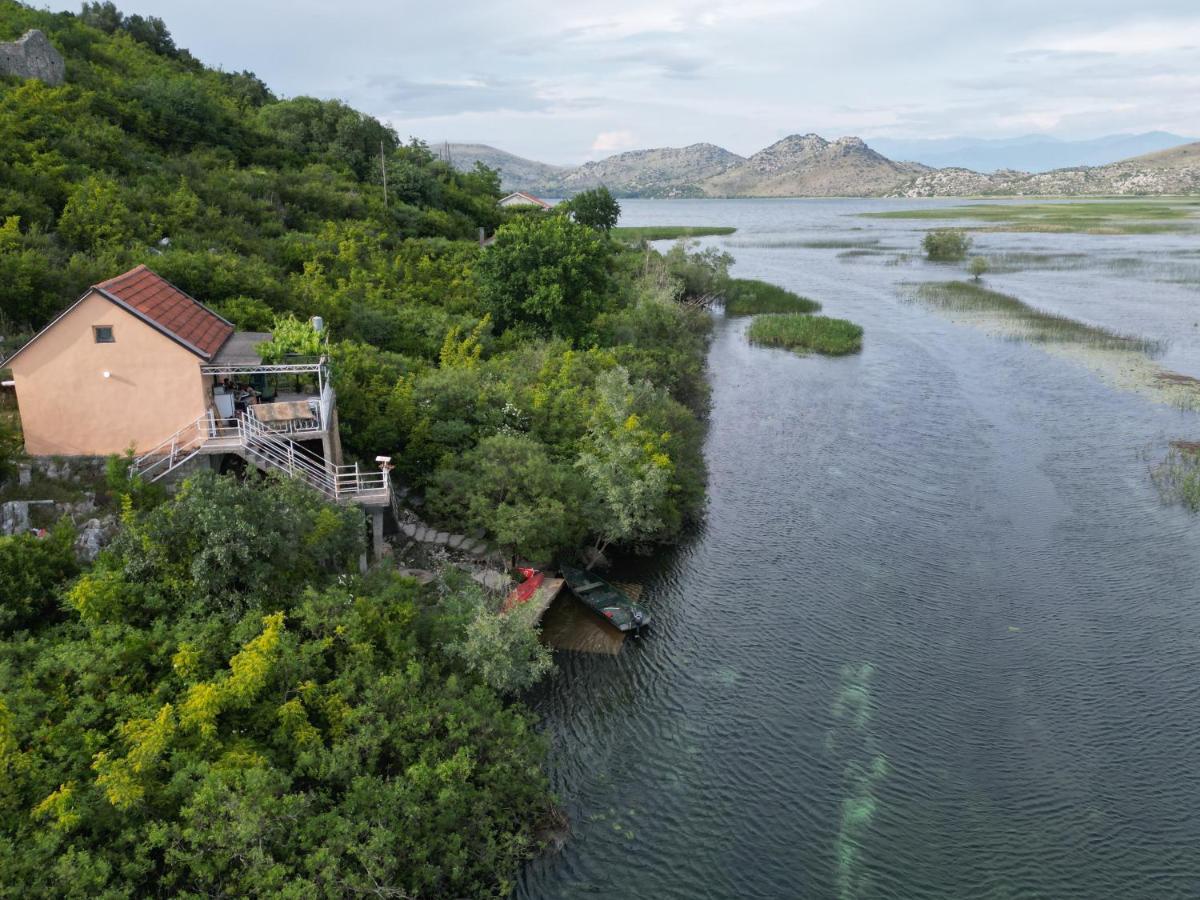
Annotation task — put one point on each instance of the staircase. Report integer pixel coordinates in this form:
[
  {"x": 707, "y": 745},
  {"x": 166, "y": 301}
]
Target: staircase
[{"x": 268, "y": 451}]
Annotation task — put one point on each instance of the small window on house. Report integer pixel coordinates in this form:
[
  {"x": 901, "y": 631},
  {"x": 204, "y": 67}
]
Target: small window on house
[{"x": 103, "y": 334}]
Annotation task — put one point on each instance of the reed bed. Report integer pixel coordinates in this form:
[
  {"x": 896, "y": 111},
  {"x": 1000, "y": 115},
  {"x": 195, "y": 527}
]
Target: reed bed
[
  {"x": 751, "y": 297},
  {"x": 801, "y": 333},
  {"x": 1033, "y": 324}
]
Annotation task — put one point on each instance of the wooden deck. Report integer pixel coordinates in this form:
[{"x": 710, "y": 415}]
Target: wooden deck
[{"x": 541, "y": 599}]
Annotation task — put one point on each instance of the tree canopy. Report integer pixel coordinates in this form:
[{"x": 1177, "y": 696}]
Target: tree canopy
[
  {"x": 221, "y": 709},
  {"x": 596, "y": 208}
]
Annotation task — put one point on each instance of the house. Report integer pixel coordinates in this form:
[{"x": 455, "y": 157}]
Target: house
[
  {"x": 137, "y": 362},
  {"x": 520, "y": 198}
]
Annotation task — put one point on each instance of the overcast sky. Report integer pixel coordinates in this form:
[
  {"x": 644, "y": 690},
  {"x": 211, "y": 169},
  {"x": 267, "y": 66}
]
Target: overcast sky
[{"x": 565, "y": 81}]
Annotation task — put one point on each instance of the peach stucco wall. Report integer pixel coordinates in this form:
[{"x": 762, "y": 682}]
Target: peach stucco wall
[{"x": 69, "y": 408}]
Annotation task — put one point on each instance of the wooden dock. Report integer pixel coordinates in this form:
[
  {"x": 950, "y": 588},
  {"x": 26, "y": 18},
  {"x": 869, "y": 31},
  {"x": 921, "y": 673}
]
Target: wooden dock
[{"x": 539, "y": 596}]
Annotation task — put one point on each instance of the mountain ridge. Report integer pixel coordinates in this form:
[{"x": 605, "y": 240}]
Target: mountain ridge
[{"x": 808, "y": 165}]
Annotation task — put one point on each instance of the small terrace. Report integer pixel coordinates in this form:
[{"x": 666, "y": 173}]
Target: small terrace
[{"x": 292, "y": 397}]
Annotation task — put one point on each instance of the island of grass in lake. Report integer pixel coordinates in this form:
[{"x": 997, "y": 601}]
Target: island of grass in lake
[
  {"x": 750, "y": 297},
  {"x": 834, "y": 337}
]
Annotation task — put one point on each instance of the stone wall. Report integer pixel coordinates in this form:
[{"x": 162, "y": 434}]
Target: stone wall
[{"x": 33, "y": 56}]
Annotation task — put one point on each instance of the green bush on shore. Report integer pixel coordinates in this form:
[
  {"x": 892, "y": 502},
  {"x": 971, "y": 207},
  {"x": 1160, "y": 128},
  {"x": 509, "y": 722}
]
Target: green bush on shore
[
  {"x": 749, "y": 296},
  {"x": 834, "y": 337}
]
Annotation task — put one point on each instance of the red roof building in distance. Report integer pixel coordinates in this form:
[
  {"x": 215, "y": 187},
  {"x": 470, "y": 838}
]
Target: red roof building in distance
[
  {"x": 520, "y": 198},
  {"x": 160, "y": 304}
]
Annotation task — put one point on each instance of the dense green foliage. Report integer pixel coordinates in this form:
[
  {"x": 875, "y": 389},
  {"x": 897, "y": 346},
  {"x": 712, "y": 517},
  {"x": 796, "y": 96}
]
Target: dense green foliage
[
  {"x": 10, "y": 443},
  {"x": 750, "y": 297},
  {"x": 978, "y": 267},
  {"x": 218, "y": 709},
  {"x": 834, "y": 337},
  {"x": 548, "y": 273},
  {"x": 596, "y": 208},
  {"x": 457, "y": 361},
  {"x": 946, "y": 244}
]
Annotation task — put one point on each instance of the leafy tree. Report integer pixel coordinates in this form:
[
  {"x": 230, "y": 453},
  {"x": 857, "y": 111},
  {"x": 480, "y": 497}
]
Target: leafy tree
[
  {"x": 596, "y": 208},
  {"x": 503, "y": 649},
  {"x": 329, "y": 129},
  {"x": 247, "y": 313},
  {"x": 946, "y": 244},
  {"x": 626, "y": 464},
  {"x": 96, "y": 217},
  {"x": 291, "y": 337},
  {"x": 31, "y": 570},
  {"x": 547, "y": 272},
  {"x": 698, "y": 272},
  {"x": 30, "y": 284},
  {"x": 978, "y": 267},
  {"x": 509, "y": 486}
]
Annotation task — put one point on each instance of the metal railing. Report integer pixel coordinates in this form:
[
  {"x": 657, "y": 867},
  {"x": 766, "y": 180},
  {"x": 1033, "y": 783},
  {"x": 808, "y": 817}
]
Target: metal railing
[{"x": 266, "y": 448}]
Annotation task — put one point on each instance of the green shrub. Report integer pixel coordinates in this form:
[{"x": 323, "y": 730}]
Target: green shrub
[
  {"x": 834, "y": 337},
  {"x": 978, "y": 267},
  {"x": 946, "y": 245}
]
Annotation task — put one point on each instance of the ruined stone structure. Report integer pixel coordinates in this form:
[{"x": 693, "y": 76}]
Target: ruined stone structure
[{"x": 33, "y": 56}]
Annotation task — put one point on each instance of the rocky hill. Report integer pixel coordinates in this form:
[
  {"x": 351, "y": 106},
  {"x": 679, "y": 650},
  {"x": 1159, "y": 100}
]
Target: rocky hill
[
  {"x": 516, "y": 172},
  {"x": 810, "y": 166},
  {"x": 1173, "y": 171},
  {"x": 663, "y": 172}
]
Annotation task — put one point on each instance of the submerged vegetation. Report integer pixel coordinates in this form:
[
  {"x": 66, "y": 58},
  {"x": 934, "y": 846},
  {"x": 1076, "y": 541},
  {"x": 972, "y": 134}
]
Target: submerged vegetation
[
  {"x": 1029, "y": 323},
  {"x": 638, "y": 233},
  {"x": 1090, "y": 216},
  {"x": 1178, "y": 476},
  {"x": 750, "y": 297},
  {"x": 833, "y": 337}
]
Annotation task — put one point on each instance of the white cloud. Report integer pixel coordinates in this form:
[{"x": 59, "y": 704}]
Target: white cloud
[
  {"x": 612, "y": 141},
  {"x": 1129, "y": 39}
]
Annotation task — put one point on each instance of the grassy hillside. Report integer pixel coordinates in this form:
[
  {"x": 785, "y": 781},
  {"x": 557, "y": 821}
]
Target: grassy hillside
[{"x": 145, "y": 155}]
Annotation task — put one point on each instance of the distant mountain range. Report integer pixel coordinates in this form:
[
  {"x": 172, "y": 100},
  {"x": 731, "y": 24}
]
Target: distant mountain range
[
  {"x": 810, "y": 166},
  {"x": 1029, "y": 153}
]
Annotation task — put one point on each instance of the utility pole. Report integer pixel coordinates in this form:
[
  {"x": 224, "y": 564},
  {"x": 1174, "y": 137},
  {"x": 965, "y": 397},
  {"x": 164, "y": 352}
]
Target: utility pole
[{"x": 383, "y": 167}]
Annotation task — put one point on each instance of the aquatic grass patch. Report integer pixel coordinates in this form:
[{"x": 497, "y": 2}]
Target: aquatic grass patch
[
  {"x": 864, "y": 767},
  {"x": 750, "y": 297},
  {"x": 1178, "y": 476},
  {"x": 1032, "y": 324},
  {"x": 1091, "y": 217},
  {"x": 636, "y": 233},
  {"x": 833, "y": 337},
  {"x": 807, "y": 243},
  {"x": 1020, "y": 261}
]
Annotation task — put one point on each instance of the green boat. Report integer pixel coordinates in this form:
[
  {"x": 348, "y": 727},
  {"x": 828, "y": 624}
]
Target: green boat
[{"x": 606, "y": 600}]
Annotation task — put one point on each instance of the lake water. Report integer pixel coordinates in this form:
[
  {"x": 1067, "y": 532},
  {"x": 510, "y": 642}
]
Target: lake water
[{"x": 938, "y": 635}]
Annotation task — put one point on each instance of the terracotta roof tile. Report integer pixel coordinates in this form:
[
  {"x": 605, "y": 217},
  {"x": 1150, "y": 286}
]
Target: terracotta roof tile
[{"x": 169, "y": 309}]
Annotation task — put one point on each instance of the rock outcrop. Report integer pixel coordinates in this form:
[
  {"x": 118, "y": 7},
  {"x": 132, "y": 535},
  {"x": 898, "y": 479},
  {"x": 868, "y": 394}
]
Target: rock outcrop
[
  {"x": 807, "y": 165},
  {"x": 33, "y": 56}
]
